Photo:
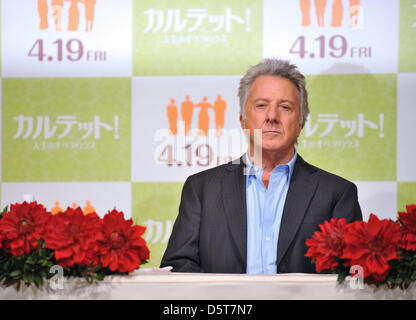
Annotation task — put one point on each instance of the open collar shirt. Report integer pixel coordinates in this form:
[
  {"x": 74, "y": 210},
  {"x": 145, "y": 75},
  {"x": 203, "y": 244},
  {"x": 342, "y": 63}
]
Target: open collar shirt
[{"x": 264, "y": 214}]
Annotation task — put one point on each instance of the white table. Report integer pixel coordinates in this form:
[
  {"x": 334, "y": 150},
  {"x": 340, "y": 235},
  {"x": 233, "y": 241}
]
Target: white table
[{"x": 163, "y": 285}]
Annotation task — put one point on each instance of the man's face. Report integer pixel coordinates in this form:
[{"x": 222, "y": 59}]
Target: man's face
[{"x": 273, "y": 106}]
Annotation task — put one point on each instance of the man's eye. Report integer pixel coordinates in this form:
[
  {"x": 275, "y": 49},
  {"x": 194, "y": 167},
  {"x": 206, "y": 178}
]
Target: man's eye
[
  {"x": 285, "y": 107},
  {"x": 261, "y": 105}
]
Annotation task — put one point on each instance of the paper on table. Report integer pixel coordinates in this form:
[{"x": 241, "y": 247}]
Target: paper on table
[{"x": 154, "y": 270}]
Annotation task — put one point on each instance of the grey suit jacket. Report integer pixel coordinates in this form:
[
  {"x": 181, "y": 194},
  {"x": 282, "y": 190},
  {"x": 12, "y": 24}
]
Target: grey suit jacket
[{"x": 210, "y": 232}]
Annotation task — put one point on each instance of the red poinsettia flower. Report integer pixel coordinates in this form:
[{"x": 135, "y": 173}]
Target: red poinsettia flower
[
  {"x": 121, "y": 245},
  {"x": 73, "y": 237},
  {"x": 23, "y": 226},
  {"x": 372, "y": 245},
  {"x": 327, "y": 244},
  {"x": 408, "y": 221}
]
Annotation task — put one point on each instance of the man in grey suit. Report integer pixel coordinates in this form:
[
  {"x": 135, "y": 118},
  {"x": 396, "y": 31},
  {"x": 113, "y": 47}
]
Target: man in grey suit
[{"x": 255, "y": 214}]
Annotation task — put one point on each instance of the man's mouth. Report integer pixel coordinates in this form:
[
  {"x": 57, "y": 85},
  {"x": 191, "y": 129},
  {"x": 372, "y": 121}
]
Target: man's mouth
[{"x": 271, "y": 132}]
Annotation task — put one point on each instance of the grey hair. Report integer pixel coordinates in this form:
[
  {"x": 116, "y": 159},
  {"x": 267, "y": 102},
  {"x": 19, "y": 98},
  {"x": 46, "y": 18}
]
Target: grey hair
[{"x": 278, "y": 68}]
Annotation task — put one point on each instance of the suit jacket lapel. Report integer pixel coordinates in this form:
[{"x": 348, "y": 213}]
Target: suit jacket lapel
[
  {"x": 235, "y": 207},
  {"x": 301, "y": 190}
]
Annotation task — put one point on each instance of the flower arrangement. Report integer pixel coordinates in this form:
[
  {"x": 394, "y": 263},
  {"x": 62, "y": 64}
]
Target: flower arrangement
[
  {"x": 385, "y": 250},
  {"x": 32, "y": 240}
]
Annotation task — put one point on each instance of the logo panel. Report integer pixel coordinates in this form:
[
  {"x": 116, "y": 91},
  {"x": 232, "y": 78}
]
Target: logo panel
[
  {"x": 336, "y": 36},
  {"x": 196, "y": 37},
  {"x": 351, "y": 130},
  {"x": 66, "y": 129},
  {"x": 58, "y": 38},
  {"x": 182, "y": 125}
]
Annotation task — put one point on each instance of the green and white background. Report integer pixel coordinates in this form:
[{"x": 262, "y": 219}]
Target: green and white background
[{"x": 84, "y": 114}]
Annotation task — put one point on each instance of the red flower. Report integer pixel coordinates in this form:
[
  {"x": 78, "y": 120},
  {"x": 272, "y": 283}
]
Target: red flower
[
  {"x": 121, "y": 244},
  {"x": 408, "y": 221},
  {"x": 327, "y": 244},
  {"x": 23, "y": 226},
  {"x": 73, "y": 236},
  {"x": 372, "y": 245}
]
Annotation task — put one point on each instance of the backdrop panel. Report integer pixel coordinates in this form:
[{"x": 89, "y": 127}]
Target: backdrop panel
[{"x": 113, "y": 104}]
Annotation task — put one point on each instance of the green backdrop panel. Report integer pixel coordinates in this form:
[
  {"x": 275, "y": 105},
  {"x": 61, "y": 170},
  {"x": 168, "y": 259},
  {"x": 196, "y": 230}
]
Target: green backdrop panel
[
  {"x": 352, "y": 127},
  {"x": 196, "y": 37},
  {"x": 407, "y": 36},
  {"x": 66, "y": 129},
  {"x": 156, "y": 205},
  {"x": 406, "y": 195}
]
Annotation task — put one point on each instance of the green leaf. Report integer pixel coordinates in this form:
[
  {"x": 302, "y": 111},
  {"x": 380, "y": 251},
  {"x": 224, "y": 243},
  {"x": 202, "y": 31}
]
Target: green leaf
[
  {"x": 341, "y": 277},
  {"x": 31, "y": 259},
  {"x": 100, "y": 276},
  {"x": 15, "y": 274},
  {"x": 38, "y": 279}
]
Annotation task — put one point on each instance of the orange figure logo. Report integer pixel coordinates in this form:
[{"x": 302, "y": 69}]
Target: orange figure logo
[
  {"x": 187, "y": 111},
  {"x": 73, "y": 16},
  {"x": 89, "y": 14},
  {"x": 355, "y": 11},
  {"x": 88, "y": 208},
  {"x": 43, "y": 14},
  {"x": 320, "y": 12},
  {"x": 57, "y": 7},
  {"x": 305, "y": 9},
  {"x": 337, "y": 12},
  {"x": 219, "y": 108},
  {"x": 172, "y": 113},
  {"x": 203, "y": 118},
  {"x": 56, "y": 209}
]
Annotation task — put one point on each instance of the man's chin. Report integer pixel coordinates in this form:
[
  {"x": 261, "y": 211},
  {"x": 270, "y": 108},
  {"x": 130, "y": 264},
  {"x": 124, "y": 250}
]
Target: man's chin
[{"x": 273, "y": 146}]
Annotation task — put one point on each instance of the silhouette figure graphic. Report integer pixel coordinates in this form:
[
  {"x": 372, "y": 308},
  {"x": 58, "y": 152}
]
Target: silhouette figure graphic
[
  {"x": 43, "y": 14},
  {"x": 172, "y": 113},
  {"x": 337, "y": 13},
  {"x": 354, "y": 13},
  {"x": 57, "y": 7},
  {"x": 305, "y": 9},
  {"x": 219, "y": 108},
  {"x": 187, "y": 110},
  {"x": 203, "y": 117},
  {"x": 320, "y": 12},
  {"x": 73, "y": 16},
  {"x": 57, "y": 208},
  {"x": 89, "y": 14},
  {"x": 88, "y": 208}
]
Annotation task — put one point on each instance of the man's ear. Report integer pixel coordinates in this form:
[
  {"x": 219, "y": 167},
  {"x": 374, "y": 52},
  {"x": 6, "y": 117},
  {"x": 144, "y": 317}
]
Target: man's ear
[{"x": 242, "y": 122}]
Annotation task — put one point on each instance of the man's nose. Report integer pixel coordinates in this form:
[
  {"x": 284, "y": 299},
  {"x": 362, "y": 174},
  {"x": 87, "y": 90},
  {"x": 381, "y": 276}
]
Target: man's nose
[{"x": 273, "y": 114}]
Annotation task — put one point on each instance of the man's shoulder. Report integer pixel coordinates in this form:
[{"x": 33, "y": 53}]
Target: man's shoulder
[{"x": 217, "y": 171}]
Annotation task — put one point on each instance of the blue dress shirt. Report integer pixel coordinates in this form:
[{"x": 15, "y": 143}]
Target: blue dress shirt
[{"x": 264, "y": 214}]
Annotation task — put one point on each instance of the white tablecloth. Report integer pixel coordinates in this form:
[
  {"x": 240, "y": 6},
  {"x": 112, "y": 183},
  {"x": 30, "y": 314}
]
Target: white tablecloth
[{"x": 164, "y": 285}]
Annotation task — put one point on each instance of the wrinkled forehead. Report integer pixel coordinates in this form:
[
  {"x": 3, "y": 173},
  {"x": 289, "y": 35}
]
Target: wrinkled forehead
[{"x": 273, "y": 87}]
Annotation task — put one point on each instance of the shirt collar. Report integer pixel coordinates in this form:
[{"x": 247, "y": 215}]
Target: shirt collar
[{"x": 253, "y": 170}]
